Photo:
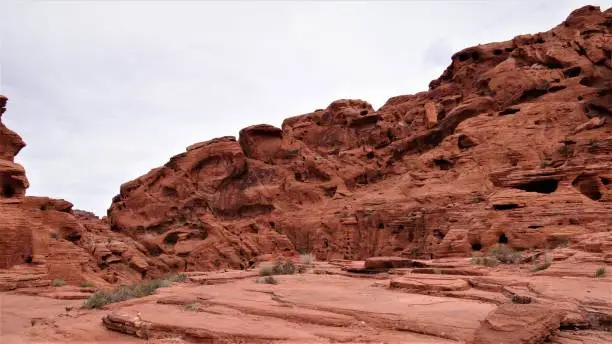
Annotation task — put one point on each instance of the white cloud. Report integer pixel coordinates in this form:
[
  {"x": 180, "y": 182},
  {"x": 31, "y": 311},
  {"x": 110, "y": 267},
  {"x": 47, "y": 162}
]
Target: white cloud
[{"x": 104, "y": 91}]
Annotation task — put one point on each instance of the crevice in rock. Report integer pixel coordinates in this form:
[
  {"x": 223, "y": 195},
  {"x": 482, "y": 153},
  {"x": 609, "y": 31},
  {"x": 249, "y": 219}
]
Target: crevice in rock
[
  {"x": 556, "y": 88},
  {"x": 505, "y": 206},
  {"x": 503, "y": 239},
  {"x": 545, "y": 186},
  {"x": 476, "y": 246},
  {"x": 572, "y": 72},
  {"x": 171, "y": 238},
  {"x": 531, "y": 94},
  {"x": 443, "y": 164},
  {"x": 509, "y": 111}
]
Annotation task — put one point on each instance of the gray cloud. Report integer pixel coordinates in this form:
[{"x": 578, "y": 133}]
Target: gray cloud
[{"x": 104, "y": 91}]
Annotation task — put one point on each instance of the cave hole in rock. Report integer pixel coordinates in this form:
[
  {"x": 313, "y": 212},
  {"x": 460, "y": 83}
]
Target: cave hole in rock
[
  {"x": 556, "y": 88},
  {"x": 326, "y": 243},
  {"x": 588, "y": 185},
  {"x": 171, "y": 238},
  {"x": 465, "y": 142},
  {"x": 509, "y": 111},
  {"x": 497, "y": 51},
  {"x": 545, "y": 186},
  {"x": 381, "y": 225},
  {"x": 475, "y": 56},
  {"x": 505, "y": 206},
  {"x": 476, "y": 246},
  {"x": 410, "y": 236},
  {"x": 580, "y": 98},
  {"x": 503, "y": 239},
  {"x": 588, "y": 81},
  {"x": 531, "y": 94},
  {"x": 534, "y": 226},
  {"x": 370, "y": 155},
  {"x": 605, "y": 181},
  {"x": 8, "y": 191},
  {"x": 272, "y": 224},
  {"x": 572, "y": 72},
  {"x": 464, "y": 57},
  {"x": 540, "y": 40},
  {"x": 509, "y": 49},
  {"x": 28, "y": 260},
  {"x": 443, "y": 164},
  {"x": 363, "y": 112},
  {"x": 438, "y": 234}
]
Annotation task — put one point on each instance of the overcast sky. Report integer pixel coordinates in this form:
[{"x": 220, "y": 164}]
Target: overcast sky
[{"x": 102, "y": 92}]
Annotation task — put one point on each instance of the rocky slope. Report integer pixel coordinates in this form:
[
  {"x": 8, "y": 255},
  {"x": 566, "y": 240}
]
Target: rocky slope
[{"x": 511, "y": 145}]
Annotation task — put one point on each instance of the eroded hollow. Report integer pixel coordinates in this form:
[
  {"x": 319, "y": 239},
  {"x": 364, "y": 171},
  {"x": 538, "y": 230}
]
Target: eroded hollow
[
  {"x": 503, "y": 239},
  {"x": 545, "y": 186},
  {"x": 476, "y": 246},
  {"x": 589, "y": 186},
  {"x": 172, "y": 238},
  {"x": 505, "y": 206},
  {"x": 443, "y": 164},
  {"x": 572, "y": 72},
  {"x": 8, "y": 191}
]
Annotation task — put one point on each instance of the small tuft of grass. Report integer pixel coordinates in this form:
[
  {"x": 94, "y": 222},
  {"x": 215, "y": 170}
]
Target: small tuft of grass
[
  {"x": 307, "y": 259},
  {"x": 267, "y": 280},
  {"x": 192, "y": 307},
  {"x": 601, "y": 272},
  {"x": 58, "y": 282}
]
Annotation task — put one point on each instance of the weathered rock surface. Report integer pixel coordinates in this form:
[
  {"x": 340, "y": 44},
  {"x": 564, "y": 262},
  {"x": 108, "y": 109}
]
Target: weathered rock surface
[
  {"x": 511, "y": 145},
  {"x": 42, "y": 239}
]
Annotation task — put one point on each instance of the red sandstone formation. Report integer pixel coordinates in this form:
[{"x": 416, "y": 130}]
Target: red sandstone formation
[
  {"x": 42, "y": 239},
  {"x": 512, "y": 144}
]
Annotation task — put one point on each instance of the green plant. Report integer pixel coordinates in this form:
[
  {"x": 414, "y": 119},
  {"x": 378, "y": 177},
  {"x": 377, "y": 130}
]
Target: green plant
[
  {"x": 127, "y": 292},
  {"x": 58, "y": 282},
  {"x": 601, "y": 272},
  {"x": 267, "y": 280},
  {"x": 485, "y": 261},
  {"x": 97, "y": 300},
  {"x": 505, "y": 254},
  {"x": 192, "y": 307},
  {"x": 307, "y": 259}
]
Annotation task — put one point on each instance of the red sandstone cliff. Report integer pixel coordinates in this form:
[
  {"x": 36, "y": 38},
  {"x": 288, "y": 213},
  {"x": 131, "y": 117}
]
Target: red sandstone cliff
[
  {"x": 42, "y": 239},
  {"x": 511, "y": 144}
]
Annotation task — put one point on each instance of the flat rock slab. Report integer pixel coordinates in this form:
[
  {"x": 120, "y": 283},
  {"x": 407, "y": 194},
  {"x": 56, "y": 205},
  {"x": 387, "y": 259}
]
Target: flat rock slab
[
  {"x": 222, "y": 277},
  {"x": 421, "y": 284}
]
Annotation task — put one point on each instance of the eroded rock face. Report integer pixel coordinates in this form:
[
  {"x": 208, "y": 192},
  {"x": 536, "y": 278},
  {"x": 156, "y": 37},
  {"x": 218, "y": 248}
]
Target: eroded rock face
[
  {"x": 510, "y": 145},
  {"x": 42, "y": 239}
]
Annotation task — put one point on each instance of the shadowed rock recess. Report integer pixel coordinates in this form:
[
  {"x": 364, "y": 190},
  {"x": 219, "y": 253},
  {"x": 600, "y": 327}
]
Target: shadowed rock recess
[{"x": 507, "y": 158}]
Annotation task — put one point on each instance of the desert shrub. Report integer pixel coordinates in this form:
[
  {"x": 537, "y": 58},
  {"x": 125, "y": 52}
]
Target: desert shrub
[
  {"x": 267, "y": 280},
  {"x": 307, "y": 259},
  {"x": 266, "y": 270},
  {"x": 97, "y": 300},
  {"x": 284, "y": 267},
  {"x": 601, "y": 272},
  {"x": 520, "y": 299},
  {"x": 486, "y": 261},
  {"x": 543, "y": 265},
  {"x": 58, "y": 282},
  {"x": 127, "y": 292},
  {"x": 86, "y": 284},
  {"x": 505, "y": 254},
  {"x": 192, "y": 307}
]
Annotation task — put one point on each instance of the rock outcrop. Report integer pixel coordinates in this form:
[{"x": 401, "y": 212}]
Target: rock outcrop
[
  {"x": 42, "y": 239},
  {"x": 511, "y": 145}
]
